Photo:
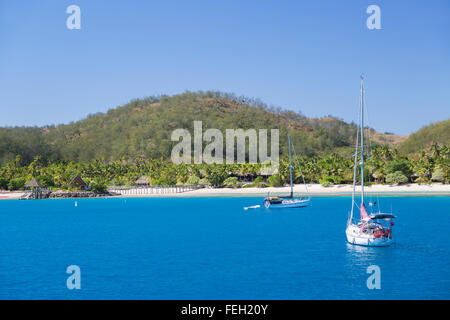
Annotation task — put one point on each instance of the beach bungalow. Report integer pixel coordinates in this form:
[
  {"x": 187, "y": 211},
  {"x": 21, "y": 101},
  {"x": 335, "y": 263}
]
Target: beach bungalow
[
  {"x": 77, "y": 181},
  {"x": 33, "y": 183},
  {"x": 35, "y": 188},
  {"x": 143, "y": 181}
]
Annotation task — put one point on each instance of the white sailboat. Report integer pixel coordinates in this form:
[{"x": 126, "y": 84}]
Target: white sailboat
[
  {"x": 290, "y": 201},
  {"x": 374, "y": 230}
]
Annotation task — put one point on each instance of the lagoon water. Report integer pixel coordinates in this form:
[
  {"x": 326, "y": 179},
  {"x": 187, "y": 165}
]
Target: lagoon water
[{"x": 210, "y": 248}]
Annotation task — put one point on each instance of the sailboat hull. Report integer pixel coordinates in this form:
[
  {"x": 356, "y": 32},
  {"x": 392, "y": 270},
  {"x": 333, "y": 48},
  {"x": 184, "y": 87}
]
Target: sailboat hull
[
  {"x": 288, "y": 203},
  {"x": 356, "y": 237}
]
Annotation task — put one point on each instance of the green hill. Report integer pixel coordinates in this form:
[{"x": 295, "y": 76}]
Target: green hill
[
  {"x": 142, "y": 128},
  {"x": 438, "y": 133}
]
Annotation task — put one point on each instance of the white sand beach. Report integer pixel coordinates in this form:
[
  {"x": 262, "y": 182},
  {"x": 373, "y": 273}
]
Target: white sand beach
[
  {"x": 318, "y": 190},
  {"x": 5, "y": 195},
  {"x": 314, "y": 190}
]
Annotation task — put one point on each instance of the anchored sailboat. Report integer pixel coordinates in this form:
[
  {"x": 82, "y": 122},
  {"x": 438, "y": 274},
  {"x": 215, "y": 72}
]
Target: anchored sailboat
[
  {"x": 290, "y": 201},
  {"x": 371, "y": 229}
]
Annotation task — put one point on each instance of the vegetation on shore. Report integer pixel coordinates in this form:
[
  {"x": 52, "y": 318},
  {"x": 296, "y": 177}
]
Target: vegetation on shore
[
  {"x": 117, "y": 147},
  {"x": 384, "y": 165}
]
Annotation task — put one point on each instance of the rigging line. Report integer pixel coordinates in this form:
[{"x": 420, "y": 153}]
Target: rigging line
[
  {"x": 354, "y": 169},
  {"x": 366, "y": 118},
  {"x": 362, "y": 137},
  {"x": 300, "y": 168},
  {"x": 369, "y": 141},
  {"x": 378, "y": 201}
]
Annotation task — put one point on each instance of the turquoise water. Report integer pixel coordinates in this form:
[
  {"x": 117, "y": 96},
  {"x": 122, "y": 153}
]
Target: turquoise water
[{"x": 210, "y": 248}]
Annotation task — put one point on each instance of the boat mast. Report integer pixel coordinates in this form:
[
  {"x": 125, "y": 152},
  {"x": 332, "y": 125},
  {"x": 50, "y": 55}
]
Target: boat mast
[
  {"x": 354, "y": 174},
  {"x": 362, "y": 140},
  {"x": 300, "y": 169},
  {"x": 290, "y": 167},
  {"x": 356, "y": 160}
]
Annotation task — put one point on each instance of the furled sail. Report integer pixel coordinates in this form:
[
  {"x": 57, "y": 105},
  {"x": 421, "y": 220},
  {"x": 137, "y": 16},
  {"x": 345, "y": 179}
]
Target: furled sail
[{"x": 363, "y": 211}]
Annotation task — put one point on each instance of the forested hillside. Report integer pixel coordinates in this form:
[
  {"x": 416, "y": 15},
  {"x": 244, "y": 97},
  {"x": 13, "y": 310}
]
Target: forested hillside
[
  {"x": 119, "y": 146},
  {"x": 143, "y": 127},
  {"x": 436, "y": 133}
]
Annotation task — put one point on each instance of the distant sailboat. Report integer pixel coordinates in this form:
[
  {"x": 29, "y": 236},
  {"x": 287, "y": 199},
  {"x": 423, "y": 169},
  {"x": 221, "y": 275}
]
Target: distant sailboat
[
  {"x": 290, "y": 201},
  {"x": 373, "y": 230}
]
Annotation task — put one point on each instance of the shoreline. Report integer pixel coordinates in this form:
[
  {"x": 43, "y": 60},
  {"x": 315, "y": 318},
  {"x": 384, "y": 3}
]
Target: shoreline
[{"x": 315, "y": 190}]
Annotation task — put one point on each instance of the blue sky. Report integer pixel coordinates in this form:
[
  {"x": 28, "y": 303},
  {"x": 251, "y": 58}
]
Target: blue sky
[{"x": 300, "y": 55}]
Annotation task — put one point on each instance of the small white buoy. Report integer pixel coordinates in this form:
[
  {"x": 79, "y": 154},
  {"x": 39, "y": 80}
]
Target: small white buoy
[{"x": 76, "y": 204}]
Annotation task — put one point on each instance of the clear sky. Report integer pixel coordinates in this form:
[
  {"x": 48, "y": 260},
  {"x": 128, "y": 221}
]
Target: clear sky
[{"x": 300, "y": 55}]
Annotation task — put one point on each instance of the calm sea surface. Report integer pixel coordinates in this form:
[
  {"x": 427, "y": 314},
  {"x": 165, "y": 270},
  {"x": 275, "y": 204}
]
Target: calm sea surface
[{"x": 210, "y": 248}]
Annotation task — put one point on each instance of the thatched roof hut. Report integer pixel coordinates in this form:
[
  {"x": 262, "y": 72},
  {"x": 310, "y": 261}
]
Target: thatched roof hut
[
  {"x": 142, "y": 181},
  {"x": 78, "y": 182},
  {"x": 33, "y": 183}
]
